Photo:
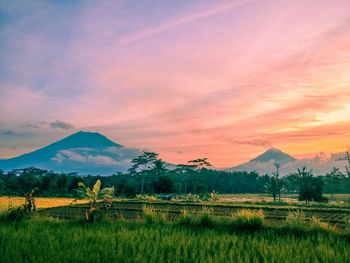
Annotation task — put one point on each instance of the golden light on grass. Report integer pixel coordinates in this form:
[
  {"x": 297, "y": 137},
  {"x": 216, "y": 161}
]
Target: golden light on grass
[{"x": 41, "y": 202}]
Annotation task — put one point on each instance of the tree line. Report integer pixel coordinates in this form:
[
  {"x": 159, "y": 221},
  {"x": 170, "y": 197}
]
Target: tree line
[{"x": 148, "y": 174}]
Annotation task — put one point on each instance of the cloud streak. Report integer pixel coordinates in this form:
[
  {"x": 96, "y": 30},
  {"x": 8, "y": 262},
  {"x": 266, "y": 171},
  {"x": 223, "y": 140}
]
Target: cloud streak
[
  {"x": 183, "y": 21},
  {"x": 61, "y": 125}
]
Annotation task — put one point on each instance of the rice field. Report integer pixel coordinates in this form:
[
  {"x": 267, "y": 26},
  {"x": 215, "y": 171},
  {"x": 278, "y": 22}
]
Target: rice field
[
  {"x": 43, "y": 240},
  {"x": 193, "y": 237},
  {"x": 338, "y": 199},
  {"x": 41, "y": 202}
]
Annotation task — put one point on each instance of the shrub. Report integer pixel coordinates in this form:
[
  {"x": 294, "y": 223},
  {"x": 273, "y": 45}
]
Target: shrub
[{"x": 248, "y": 220}]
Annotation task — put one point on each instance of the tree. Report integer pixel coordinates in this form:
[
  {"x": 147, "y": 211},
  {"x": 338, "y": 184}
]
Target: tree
[
  {"x": 275, "y": 184},
  {"x": 160, "y": 168},
  {"x": 310, "y": 188},
  {"x": 347, "y": 158},
  {"x": 61, "y": 183},
  {"x": 184, "y": 170},
  {"x": 29, "y": 178},
  {"x": 142, "y": 165},
  {"x": 163, "y": 185},
  {"x": 199, "y": 165},
  {"x": 334, "y": 181}
]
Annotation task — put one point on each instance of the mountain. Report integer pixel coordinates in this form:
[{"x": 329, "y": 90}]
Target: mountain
[
  {"x": 275, "y": 155},
  {"x": 82, "y": 152},
  {"x": 264, "y": 163}
]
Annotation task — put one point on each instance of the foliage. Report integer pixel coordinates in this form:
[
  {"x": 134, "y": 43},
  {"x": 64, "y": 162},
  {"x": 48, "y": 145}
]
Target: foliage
[
  {"x": 198, "y": 166},
  {"x": 310, "y": 187},
  {"x": 150, "y": 175},
  {"x": 143, "y": 165},
  {"x": 163, "y": 185},
  {"x": 333, "y": 181},
  {"x": 93, "y": 195},
  {"x": 275, "y": 184}
]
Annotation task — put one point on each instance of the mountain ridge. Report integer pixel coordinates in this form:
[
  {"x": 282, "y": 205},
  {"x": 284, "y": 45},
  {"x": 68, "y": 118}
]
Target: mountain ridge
[
  {"x": 85, "y": 152},
  {"x": 274, "y": 154},
  {"x": 95, "y": 154}
]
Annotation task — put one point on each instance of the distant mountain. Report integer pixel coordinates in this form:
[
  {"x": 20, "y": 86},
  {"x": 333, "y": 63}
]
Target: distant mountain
[
  {"x": 264, "y": 163},
  {"x": 82, "y": 152},
  {"x": 274, "y": 154}
]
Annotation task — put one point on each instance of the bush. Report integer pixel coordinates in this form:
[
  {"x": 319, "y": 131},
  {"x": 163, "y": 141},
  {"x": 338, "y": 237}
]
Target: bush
[{"x": 247, "y": 220}]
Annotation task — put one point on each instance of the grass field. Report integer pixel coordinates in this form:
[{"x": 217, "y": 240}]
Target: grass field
[
  {"x": 43, "y": 240},
  {"x": 41, "y": 202}
]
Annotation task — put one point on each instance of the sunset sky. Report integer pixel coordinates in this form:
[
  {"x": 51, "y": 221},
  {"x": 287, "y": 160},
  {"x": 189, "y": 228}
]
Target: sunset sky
[{"x": 219, "y": 79}]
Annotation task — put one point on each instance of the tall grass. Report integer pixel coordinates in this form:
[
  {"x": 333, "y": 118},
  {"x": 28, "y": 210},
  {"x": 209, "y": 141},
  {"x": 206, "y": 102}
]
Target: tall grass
[
  {"x": 41, "y": 240},
  {"x": 248, "y": 220},
  {"x": 151, "y": 216}
]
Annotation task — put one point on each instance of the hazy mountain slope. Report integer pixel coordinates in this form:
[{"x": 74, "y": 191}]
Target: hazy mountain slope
[
  {"x": 274, "y": 155},
  {"x": 83, "y": 152},
  {"x": 264, "y": 163}
]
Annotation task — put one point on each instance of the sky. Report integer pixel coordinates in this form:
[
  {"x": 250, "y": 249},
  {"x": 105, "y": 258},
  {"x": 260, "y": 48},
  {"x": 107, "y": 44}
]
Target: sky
[{"x": 186, "y": 78}]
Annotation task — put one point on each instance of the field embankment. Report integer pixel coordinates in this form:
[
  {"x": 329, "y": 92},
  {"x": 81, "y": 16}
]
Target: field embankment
[{"x": 132, "y": 209}]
